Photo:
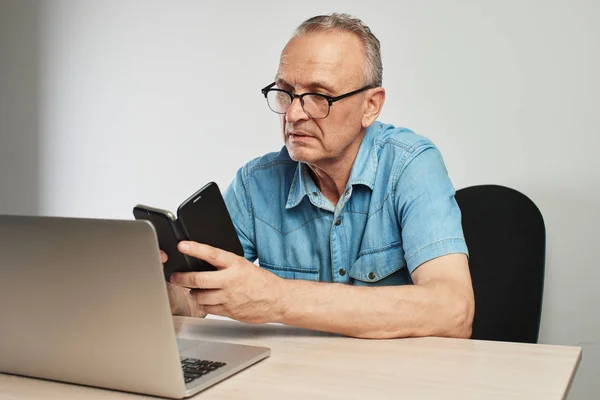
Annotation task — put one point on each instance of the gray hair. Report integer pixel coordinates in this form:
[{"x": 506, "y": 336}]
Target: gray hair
[{"x": 347, "y": 23}]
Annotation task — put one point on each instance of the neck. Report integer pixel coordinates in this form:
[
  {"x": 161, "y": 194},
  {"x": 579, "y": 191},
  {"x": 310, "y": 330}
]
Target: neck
[{"x": 331, "y": 176}]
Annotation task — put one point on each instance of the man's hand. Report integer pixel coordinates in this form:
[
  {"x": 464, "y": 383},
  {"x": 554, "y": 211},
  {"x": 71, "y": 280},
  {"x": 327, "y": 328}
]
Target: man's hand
[
  {"x": 238, "y": 289},
  {"x": 179, "y": 298}
]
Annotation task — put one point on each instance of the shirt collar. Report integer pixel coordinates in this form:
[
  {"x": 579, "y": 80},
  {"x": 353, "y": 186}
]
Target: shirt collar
[
  {"x": 365, "y": 165},
  {"x": 363, "y": 172},
  {"x": 303, "y": 185}
]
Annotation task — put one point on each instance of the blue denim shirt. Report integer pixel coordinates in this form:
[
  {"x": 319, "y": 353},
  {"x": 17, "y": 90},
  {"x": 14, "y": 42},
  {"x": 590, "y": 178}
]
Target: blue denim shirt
[{"x": 398, "y": 211}]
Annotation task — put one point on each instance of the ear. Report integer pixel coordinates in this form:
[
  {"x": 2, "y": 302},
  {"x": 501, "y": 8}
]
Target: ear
[{"x": 374, "y": 102}]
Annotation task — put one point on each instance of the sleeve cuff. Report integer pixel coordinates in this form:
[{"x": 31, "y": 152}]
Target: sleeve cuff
[{"x": 434, "y": 250}]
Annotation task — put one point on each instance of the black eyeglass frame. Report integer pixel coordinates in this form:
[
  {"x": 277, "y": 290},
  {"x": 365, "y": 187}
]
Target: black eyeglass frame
[{"x": 330, "y": 99}]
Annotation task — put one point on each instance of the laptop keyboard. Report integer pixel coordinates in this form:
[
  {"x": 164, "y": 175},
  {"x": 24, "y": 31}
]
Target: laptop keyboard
[{"x": 194, "y": 368}]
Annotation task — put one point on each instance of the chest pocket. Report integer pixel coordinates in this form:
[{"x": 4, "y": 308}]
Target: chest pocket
[
  {"x": 289, "y": 272},
  {"x": 384, "y": 267}
]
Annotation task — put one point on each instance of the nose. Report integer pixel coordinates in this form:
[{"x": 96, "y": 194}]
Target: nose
[{"x": 295, "y": 112}]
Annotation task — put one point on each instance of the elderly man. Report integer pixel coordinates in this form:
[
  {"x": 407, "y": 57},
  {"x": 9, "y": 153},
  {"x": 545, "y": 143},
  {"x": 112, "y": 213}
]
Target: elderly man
[{"x": 353, "y": 223}]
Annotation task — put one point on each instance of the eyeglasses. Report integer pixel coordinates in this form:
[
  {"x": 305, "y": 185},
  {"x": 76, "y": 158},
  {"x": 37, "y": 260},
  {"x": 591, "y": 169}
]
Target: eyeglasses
[{"x": 315, "y": 105}]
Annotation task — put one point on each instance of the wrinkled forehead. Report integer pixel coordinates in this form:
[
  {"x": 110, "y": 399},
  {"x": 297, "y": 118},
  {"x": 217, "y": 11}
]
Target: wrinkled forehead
[{"x": 332, "y": 59}]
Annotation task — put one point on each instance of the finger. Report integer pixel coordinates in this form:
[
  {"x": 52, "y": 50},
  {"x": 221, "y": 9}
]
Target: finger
[
  {"x": 208, "y": 297},
  {"x": 199, "y": 280},
  {"x": 163, "y": 257},
  {"x": 178, "y": 299},
  {"x": 198, "y": 310},
  {"x": 216, "y": 257}
]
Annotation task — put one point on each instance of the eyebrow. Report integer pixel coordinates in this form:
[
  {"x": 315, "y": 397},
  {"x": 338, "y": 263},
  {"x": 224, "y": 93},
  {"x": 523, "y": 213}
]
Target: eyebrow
[{"x": 314, "y": 84}]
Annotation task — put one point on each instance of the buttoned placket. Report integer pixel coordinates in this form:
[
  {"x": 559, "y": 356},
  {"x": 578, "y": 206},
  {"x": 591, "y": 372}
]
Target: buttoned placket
[{"x": 339, "y": 242}]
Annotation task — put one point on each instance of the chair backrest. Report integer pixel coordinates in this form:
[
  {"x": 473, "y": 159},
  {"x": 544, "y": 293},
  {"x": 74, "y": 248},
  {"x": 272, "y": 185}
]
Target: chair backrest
[{"x": 506, "y": 237}]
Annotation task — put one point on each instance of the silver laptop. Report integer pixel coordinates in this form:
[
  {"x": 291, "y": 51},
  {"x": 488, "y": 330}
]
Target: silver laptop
[{"x": 84, "y": 301}]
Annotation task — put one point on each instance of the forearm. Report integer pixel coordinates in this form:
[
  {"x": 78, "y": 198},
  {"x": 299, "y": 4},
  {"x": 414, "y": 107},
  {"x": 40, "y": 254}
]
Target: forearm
[{"x": 377, "y": 312}]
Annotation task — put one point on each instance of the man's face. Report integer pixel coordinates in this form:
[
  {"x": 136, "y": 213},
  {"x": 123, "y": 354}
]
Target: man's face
[{"x": 329, "y": 63}]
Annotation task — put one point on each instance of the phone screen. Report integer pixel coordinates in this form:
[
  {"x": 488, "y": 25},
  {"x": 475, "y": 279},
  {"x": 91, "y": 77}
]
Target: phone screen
[{"x": 205, "y": 218}]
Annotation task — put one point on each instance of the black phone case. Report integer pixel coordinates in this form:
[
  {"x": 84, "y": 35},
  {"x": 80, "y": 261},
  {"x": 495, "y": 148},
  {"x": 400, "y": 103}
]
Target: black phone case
[
  {"x": 205, "y": 219},
  {"x": 202, "y": 218},
  {"x": 169, "y": 233}
]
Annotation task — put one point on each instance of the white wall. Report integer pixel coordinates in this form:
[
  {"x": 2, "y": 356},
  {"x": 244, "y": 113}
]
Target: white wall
[{"x": 145, "y": 101}]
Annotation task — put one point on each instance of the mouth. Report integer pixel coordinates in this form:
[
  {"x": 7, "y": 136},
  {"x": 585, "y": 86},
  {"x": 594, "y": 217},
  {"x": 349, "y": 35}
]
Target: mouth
[
  {"x": 299, "y": 135},
  {"x": 299, "y": 138}
]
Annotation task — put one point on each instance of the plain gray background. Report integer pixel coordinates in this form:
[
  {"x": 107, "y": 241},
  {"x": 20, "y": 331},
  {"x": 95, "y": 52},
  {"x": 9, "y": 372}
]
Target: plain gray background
[{"x": 107, "y": 104}]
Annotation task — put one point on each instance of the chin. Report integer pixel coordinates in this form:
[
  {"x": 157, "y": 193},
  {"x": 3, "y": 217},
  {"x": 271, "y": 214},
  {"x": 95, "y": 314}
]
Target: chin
[{"x": 301, "y": 154}]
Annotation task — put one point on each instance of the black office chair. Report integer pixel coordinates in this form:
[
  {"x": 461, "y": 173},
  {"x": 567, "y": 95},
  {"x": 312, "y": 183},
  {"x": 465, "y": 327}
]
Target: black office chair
[{"x": 506, "y": 237}]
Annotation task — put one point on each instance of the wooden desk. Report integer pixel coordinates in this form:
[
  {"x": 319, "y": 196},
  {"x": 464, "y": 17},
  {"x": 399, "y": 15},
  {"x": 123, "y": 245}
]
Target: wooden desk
[{"x": 311, "y": 365}]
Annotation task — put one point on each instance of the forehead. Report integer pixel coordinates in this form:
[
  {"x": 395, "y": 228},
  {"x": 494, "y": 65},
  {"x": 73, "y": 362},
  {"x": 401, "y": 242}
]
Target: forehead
[{"x": 332, "y": 57}]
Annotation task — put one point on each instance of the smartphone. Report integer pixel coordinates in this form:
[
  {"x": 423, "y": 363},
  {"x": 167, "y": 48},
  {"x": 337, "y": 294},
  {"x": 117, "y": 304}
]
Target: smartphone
[
  {"x": 205, "y": 218},
  {"x": 169, "y": 234}
]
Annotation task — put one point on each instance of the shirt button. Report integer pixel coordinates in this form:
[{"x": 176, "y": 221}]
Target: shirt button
[
  {"x": 342, "y": 272},
  {"x": 371, "y": 275},
  {"x": 338, "y": 222},
  {"x": 347, "y": 192}
]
